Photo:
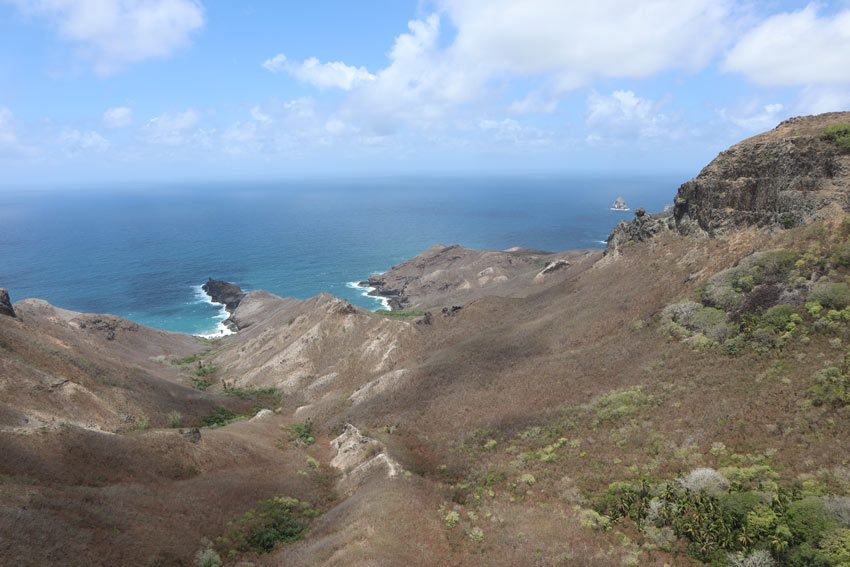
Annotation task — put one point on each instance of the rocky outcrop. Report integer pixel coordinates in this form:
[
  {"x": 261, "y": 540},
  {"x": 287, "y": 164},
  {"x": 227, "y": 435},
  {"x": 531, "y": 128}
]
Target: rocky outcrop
[
  {"x": 786, "y": 177},
  {"x": 223, "y": 292},
  {"x": 451, "y": 275},
  {"x": 228, "y": 294},
  {"x": 779, "y": 179},
  {"x": 360, "y": 458},
  {"x": 640, "y": 229},
  {"x": 6, "y": 304}
]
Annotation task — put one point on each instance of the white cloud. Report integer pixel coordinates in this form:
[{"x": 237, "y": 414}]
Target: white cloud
[
  {"x": 334, "y": 74},
  {"x": 578, "y": 41},
  {"x": 74, "y": 141},
  {"x": 118, "y": 117},
  {"x": 171, "y": 129},
  {"x": 622, "y": 115},
  {"x": 535, "y": 101},
  {"x": 793, "y": 49},
  {"x": 818, "y": 99},
  {"x": 114, "y": 33},
  {"x": 755, "y": 118},
  {"x": 512, "y": 131}
]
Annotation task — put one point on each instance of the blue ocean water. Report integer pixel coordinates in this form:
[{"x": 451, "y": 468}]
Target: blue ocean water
[{"x": 142, "y": 252}]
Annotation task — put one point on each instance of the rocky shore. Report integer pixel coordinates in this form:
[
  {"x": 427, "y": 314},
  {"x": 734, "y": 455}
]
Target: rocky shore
[{"x": 227, "y": 294}]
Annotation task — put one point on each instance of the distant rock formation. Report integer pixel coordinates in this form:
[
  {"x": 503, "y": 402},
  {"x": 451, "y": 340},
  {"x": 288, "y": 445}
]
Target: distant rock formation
[{"x": 6, "y": 304}]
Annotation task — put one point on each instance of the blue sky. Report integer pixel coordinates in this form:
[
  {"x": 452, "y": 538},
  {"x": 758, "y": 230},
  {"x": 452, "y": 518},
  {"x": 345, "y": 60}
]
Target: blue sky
[{"x": 128, "y": 90}]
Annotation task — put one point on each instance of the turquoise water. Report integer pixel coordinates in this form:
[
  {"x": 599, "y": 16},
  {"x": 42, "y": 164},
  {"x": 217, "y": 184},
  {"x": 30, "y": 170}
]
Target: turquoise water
[{"x": 141, "y": 252}]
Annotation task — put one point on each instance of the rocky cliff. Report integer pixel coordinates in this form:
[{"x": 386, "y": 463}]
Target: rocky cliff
[
  {"x": 779, "y": 179},
  {"x": 6, "y": 304}
]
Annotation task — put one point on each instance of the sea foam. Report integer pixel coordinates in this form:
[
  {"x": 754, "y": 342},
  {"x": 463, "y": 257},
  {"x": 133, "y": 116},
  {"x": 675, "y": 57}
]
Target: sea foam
[
  {"x": 221, "y": 330},
  {"x": 385, "y": 303}
]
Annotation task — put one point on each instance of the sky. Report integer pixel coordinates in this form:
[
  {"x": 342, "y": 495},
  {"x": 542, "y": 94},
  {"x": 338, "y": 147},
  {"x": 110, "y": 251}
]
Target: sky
[{"x": 136, "y": 90}]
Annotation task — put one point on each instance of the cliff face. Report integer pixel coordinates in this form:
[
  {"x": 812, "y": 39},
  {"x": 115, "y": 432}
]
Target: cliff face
[
  {"x": 779, "y": 179},
  {"x": 6, "y": 304}
]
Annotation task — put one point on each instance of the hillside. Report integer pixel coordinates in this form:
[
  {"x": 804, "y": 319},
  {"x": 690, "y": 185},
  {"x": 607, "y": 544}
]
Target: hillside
[{"x": 683, "y": 398}]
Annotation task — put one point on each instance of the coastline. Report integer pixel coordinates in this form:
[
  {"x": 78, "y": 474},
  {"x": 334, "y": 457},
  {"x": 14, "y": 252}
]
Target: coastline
[{"x": 367, "y": 291}]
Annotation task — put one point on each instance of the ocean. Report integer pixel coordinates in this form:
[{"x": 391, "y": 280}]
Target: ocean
[{"x": 142, "y": 252}]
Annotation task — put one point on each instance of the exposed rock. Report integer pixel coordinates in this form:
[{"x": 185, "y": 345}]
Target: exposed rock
[
  {"x": 360, "y": 458},
  {"x": 778, "y": 179},
  {"x": 228, "y": 294},
  {"x": 449, "y": 311},
  {"x": 106, "y": 324},
  {"x": 642, "y": 228},
  {"x": 6, "y": 304},
  {"x": 451, "y": 275},
  {"x": 262, "y": 414}
]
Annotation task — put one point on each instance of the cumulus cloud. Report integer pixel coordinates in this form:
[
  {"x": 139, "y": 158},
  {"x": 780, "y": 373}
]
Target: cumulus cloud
[
  {"x": 818, "y": 99},
  {"x": 114, "y": 33},
  {"x": 334, "y": 74},
  {"x": 171, "y": 129},
  {"x": 74, "y": 141},
  {"x": 118, "y": 117},
  {"x": 794, "y": 49},
  {"x": 578, "y": 41},
  {"x": 622, "y": 115}
]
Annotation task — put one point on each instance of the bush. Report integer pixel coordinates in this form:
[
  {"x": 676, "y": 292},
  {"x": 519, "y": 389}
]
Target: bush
[
  {"x": 221, "y": 416},
  {"x": 841, "y": 256},
  {"x": 831, "y": 295},
  {"x": 202, "y": 371},
  {"x": 832, "y": 387},
  {"x": 175, "y": 419},
  {"x": 704, "y": 480},
  {"x": 711, "y": 322},
  {"x": 839, "y": 134},
  {"x": 208, "y": 557},
  {"x": 277, "y": 520},
  {"x": 808, "y": 519},
  {"x": 778, "y": 317},
  {"x": 617, "y": 404},
  {"x": 303, "y": 433},
  {"x": 835, "y": 547}
]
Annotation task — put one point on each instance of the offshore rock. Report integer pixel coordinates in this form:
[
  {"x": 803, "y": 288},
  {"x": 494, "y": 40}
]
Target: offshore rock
[{"x": 6, "y": 304}]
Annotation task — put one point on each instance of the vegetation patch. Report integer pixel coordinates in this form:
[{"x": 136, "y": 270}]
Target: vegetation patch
[
  {"x": 279, "y": 520},
  {"x": 221, "y": 416},
  {"x": 401, "y": 313},
  {"x": 302, "y": 433},
  {"x": 839, "y": 134},
  {"x": 250, "y": 393},
  {"x": 205, "y": 370},
  {"x": 620, "y": 403},
  {"x": 201, "y": 383},
  {"x": 192, "y": 359},
  {"x": 729, "y": 522}
]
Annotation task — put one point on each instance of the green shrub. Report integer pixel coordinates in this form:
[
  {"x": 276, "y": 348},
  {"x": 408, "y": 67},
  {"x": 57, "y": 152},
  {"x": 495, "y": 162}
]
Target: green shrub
[
  {"x": 303, "y": 433},
  {"x": 808, "y": 519},
  {"x": 201, "y": 384},
  {"x": 277, "y": 520},
  {"x": 831, "y": 294},
  {"x": 838, "y": 134},
  {"x": 835, "y": 547},
  {"x": 221, "y": 416},
  {"x": 205, "y": 370},
  {"x": 696, "y": 319},
  {"x": 621, "y": 403},
  {"x": 191, "y": 359},
  {"x": 832, "y": 387},
  {"x": 841, "y": 255},
  {"x": 244, "y": 393},
  {"x": 778, "y": 317}
]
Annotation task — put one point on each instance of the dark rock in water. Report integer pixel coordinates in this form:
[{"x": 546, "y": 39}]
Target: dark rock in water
[
  {"x": 226, "y": 293},
  {"x": 6, "y": 304}
]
